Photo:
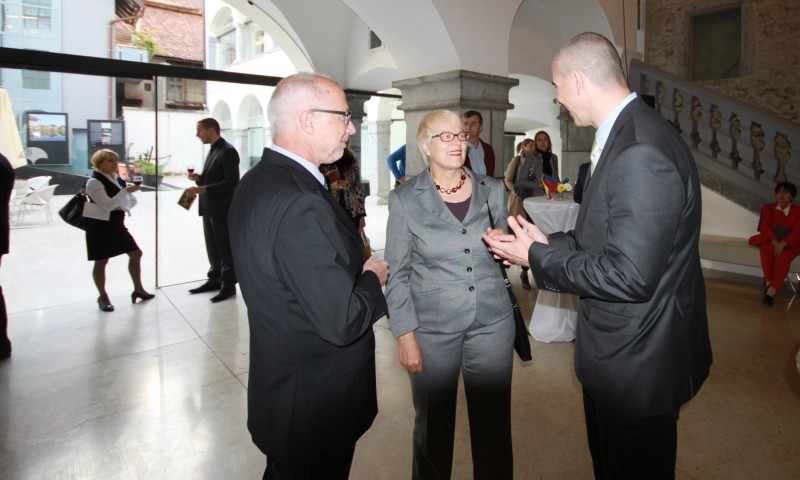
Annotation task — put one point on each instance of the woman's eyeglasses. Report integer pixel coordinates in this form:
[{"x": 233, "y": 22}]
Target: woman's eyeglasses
[{"x": 448, "y": 136}]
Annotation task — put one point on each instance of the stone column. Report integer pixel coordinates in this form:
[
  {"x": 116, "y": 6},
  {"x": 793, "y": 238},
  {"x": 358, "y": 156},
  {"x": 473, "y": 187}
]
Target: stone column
[
  {"x": 458, "y": 90},
  {"x": 240, "y": 143},
  {"x": 576, "y": 143},
  {"x": 356, "y": 104},
  {"x": 379, "y": 134}
]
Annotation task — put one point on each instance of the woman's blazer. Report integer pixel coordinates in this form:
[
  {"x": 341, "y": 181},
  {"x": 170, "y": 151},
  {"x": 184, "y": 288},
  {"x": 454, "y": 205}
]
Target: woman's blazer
[{"x": 442, "y": 276}]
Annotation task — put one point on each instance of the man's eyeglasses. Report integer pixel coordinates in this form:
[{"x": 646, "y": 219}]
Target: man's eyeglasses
[
  {"x": 346, "y": 114},
  {"x": 448, "y": 136}
]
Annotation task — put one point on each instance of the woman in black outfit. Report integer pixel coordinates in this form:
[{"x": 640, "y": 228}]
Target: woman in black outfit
[
  {"x": 111, "y": 199},
  {"x": 545, "y": 149}
]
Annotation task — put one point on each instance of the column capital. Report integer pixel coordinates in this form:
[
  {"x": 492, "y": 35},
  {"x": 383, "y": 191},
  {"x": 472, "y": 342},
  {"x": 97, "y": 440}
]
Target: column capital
[{"x": 459, "y": 91}]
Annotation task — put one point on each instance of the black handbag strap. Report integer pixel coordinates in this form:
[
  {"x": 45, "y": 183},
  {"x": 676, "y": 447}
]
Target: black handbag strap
[{"x": 511, "y": 295}]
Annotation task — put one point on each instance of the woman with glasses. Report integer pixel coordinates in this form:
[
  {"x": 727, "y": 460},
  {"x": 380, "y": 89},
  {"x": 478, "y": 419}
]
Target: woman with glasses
[{"x": 448, "y": 306}]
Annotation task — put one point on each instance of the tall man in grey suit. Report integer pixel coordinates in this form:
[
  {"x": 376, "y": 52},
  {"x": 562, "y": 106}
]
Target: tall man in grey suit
[
  {"x": 311, "y": 299},
  {"x": 642, "y": 347},
  {"x": 215, "y": 185}
]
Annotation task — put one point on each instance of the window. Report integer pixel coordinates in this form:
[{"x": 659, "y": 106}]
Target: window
[
  {"x": 253, "y": 40},
  {"x": 226, "y": 46},
  {"x": 716, "y": 46},
  {"x": 183, "y": 92},
  {"x": 35, "y": 18},
  {"x": 35, "y": 79}
]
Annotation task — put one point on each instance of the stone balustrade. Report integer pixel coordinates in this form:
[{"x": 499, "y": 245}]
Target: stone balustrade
[{"x": 741, "y": 151}]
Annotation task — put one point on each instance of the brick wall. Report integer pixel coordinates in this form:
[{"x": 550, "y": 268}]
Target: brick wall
[{"x": 771, "y": 49}]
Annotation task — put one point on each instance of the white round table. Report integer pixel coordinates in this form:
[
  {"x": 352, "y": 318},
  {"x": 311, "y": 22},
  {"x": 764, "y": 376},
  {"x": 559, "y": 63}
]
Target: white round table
[{"x": 554, "y": 314}]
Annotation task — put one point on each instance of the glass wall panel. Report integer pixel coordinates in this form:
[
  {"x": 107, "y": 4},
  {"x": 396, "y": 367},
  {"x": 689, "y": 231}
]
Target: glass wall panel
[{"x": 155, "y": 143}]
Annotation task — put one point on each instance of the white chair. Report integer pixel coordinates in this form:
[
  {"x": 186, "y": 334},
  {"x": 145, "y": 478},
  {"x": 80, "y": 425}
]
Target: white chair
[
  {"x": 35, "y": 183},
  {"x": 34, "y": 199}
]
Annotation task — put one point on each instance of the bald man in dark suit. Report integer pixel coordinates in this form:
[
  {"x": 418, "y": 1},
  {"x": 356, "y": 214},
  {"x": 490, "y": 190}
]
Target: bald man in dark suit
[
  {"x": 642, "y": 347},
  {"x": 311, "y": 298}
]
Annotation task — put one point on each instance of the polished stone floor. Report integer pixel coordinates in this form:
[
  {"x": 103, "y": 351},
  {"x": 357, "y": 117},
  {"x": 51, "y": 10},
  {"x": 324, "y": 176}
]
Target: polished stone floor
[{"x": 157, "y": 390}]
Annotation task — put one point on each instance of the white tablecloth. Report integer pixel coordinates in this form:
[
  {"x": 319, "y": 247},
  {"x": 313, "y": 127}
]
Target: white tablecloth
[{"x": 554, "y": 314}]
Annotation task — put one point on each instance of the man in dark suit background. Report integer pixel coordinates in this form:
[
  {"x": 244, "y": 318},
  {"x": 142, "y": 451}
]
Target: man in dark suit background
[
  {"x": 642, "y": 347},
  {"x": 480, "y": 155},
  {"x": 6, "y": 185},
  {"x": 215, "y": 185},
  {"x": 311, "y": 299}
]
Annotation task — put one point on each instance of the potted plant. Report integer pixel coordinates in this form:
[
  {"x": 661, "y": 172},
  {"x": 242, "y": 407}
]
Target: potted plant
[{"x": 145, "y": 166}]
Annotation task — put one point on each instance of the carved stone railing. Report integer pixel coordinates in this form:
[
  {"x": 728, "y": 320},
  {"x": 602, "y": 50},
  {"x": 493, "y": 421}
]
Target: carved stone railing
[{"x": 741, "y": 151}]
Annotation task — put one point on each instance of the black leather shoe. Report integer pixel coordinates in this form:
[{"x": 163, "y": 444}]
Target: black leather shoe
[
  {"x": 105, "y": 304},
  {"x": 768, "y": 300},
  {"x": 223, "y": 294},
  {"x": 206, "y": 287}
]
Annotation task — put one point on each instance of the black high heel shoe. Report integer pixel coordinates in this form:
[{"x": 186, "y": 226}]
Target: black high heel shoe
[
  {"x": 105, "y": 304},
  {"x": 143, "y": 295}
]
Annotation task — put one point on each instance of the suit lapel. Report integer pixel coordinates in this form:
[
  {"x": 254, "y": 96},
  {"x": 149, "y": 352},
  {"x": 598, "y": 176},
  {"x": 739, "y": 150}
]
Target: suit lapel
[
  {"x": 429, "y": 198},
  {"x": 480, "y": 194},
  {"x": 312, "y": 185},
  {"x": 594, "y": 178}
]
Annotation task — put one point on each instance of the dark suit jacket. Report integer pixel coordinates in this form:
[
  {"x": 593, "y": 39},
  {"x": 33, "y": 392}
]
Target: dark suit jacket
[
  {"x": 299, "y": 259},
  {"x": 642, "y": 342},
  {"x": 583, "y": 175},
  {"x": 488, "y": 158},
  {"x": 6, "y": 186},
  {"x": 220, "y": 176}
]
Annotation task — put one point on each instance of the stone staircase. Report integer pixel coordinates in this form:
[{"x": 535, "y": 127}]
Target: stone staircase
[{"x": 741, "y": 151}]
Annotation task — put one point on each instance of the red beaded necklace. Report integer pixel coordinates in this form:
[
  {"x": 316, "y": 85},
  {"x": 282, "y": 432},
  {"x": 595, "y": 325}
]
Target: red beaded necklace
[{"x": 453, "y": 189}]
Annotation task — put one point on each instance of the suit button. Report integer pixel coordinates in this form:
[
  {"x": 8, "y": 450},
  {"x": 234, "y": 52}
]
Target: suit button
[
  {"x": 466, "y": 250},
  {"x": 471, "y": 289},
  {"x": 463, "y": 231},
  {"x": 469, "y": 269}
]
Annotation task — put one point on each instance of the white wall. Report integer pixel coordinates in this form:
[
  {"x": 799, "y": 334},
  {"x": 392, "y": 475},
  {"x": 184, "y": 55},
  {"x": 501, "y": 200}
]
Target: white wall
[
  {"x": 723, "y": 217},
  {"x": 177, "y": 144}
]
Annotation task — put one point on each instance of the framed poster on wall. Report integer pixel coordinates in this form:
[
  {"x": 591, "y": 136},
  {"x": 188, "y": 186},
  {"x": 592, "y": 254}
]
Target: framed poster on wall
[
  {"x": 47, "y": 138},
  {"x": 108, "y": 134}
]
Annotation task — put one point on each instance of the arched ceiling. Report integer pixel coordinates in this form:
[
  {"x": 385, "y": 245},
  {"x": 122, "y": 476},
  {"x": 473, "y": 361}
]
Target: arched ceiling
[{"x": 515, "y": 38}]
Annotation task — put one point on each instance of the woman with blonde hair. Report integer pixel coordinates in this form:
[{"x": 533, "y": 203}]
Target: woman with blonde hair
[
  {"x": 111, "y": 199},
  {"x": 448, "y": 306}
]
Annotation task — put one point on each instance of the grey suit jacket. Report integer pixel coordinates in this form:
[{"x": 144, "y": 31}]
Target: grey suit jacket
[
  {"x": 442, "y": 276},
  {"x": 642, "y": 342},
  {"x": 299, "y": 261}
]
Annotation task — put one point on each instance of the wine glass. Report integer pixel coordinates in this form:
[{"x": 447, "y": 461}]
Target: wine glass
[
  {"x": 137, "y": 180},
  {"x": 190, "y": 168}
]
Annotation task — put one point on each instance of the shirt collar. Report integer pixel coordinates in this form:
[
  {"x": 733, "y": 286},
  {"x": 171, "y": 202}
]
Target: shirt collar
[
  {"x": 784, "y": 210},
  {"x": 601, "y": 136},
  {"x": 313, "y": 169}
]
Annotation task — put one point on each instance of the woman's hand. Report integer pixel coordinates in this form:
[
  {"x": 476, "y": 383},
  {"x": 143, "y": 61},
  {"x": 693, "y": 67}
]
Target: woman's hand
[
  {"x": 778, "y": 247},
  {"x": 133, "y": 188},
  {"x": 338, "y": 185},
  {"x": 410, "y": 355}
]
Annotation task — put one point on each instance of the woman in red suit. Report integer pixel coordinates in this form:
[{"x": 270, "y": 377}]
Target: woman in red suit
[{"x": 778, "y": 238}]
